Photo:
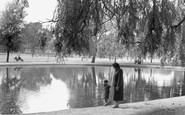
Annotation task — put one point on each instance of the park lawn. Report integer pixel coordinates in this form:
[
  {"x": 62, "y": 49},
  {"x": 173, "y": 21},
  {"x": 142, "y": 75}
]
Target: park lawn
[{"x": 69, "y": 60}]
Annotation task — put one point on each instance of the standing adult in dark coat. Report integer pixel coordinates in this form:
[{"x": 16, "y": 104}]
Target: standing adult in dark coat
[{"x": 117, "y": 85}]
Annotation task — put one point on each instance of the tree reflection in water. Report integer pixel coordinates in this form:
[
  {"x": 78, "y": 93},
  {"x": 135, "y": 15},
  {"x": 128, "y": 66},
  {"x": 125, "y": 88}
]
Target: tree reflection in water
[
  {"x": 83, "y": 89},
  {"x": 13, "y": 80},
  {"x": 85, "y": 85},
  {"x": 34, "y": 78},
  {"x": 142, "y": 86},
  {"x": 86, "y": 88},
  {"x": 183, "y": 85},
  {"x": 9, "y": 95}
]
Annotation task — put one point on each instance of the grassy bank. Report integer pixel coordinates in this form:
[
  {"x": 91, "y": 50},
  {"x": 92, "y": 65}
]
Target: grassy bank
[{"x": 74, "y": 59}]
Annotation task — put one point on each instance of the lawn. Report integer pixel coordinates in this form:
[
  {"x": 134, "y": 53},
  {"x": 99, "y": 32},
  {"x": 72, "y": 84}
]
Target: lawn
[{"x": 52, "y": 59}]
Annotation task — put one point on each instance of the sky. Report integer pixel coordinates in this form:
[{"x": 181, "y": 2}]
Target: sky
[{"x": 39, "y": 10}]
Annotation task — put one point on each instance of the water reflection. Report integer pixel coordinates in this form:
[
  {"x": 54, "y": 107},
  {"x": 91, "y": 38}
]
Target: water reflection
[
  {"x": 56, "y": 95},
  {"x": 9, "y": 94},
  {"x": 42, "y": 89}
]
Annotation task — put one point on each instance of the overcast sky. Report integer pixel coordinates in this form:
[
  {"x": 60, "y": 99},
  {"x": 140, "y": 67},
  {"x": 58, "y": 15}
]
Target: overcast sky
[{"x": 39, "y": 10}]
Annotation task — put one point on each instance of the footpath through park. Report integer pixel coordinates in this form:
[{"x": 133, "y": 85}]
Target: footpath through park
[{"x": 170, "y": 106}]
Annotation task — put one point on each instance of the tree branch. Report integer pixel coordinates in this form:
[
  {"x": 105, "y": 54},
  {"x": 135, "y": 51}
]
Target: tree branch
[
  {"x": 110, "y": 18},
  {"x": 49, "y": 21},
  {"x": 107, "y": 8},
  {"x": 177, "y": 25}
]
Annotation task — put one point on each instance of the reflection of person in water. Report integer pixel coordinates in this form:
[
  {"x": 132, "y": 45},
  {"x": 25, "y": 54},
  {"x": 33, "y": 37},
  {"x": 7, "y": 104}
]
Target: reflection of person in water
[
  {"x": 105, "y": 93},
  {"x": 17, "y": 68},
  {"x": 117, "y": 85}
]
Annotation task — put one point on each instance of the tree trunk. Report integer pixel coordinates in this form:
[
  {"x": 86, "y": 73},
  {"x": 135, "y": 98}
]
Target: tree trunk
[
  {"x": 7, "y": 58},
  {"x": 115, "y": 59},
  {"x": 182, "y": 54},
  {"x": 182, "y": 47},
  {"x": 151, "y": 58},
  {"x": 94, "y": 52},
  {"x": 93, "y": 59},
  {"x": 7, "y": 88},
  {"x": 93, "y": 75},
  {"x": 94, "y": 85},
  {"x": 128, "y": 55},
  {"x": 183, "y": 85}
]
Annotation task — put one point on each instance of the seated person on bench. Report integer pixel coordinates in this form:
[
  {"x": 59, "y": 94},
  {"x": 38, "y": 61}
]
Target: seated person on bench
[{"x": 18, "y": 58}]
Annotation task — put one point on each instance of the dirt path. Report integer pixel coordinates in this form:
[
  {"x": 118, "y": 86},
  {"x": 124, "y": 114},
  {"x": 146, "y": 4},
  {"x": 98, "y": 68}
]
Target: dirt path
[{"x": 170, "y": 106}]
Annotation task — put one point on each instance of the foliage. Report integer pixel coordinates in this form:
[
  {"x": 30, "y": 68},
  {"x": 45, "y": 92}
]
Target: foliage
[
  {"x": 10, "y": 26},
  {"x": 144, "y": 23},
  {"x": 109, "y": 47},
  {"x": 78, "y": 21},
  {"x": 23, "y": 3},
  {"x": 36, "y": 37},
  {"x": 147, "y": 27},
  {"x": 42, "y": 40},
  {"x": 30, "y": 33}
]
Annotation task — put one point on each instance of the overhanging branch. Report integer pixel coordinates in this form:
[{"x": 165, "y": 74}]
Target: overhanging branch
[
  {"x": 50, "y": 21},
  {"x": 177, "y": 25}
]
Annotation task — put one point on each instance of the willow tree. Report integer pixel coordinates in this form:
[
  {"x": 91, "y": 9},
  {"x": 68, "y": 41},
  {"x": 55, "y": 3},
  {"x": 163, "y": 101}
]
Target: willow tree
[
  {"x": 11, "y": 22},
  {"x": 71, "y": 21},
  {"x": 153, "y": 32},
  {"x": 152, "y": 27},
  {"x": 124, "y": 15},
  {"x": 181, "y": 53},
  {"x": 77, "y": 21},
  {"x": 162, "y": 29}
]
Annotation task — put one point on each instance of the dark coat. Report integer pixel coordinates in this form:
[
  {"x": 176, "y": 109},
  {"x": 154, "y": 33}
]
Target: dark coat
[
  {"x": 105, "y": 93},
  {"x": 118, "y": 81}
]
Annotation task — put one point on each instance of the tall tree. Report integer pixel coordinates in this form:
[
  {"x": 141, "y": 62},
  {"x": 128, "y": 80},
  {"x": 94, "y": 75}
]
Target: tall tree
[
  {"x": 70, "y": 27},
  {"x": 151, "y": 26},
  {"x": 30, "y": 34},
  {"x": 78, "y": 21},
  {"x": 42, "y": 40},
  {"x": 180, "y": 57},
  {"x": 11, "y": 23}
]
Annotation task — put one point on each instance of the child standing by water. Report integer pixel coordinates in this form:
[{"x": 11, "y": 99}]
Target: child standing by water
[{"x": 105, "y": 93}]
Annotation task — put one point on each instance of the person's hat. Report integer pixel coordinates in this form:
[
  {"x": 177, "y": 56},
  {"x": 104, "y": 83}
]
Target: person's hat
[
  {"x": 116, "y": 65},
  {"x": 105, "y": 80}
]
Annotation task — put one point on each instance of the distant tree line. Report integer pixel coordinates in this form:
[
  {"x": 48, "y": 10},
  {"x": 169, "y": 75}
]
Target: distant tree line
[{"x": 16, "y": 35}]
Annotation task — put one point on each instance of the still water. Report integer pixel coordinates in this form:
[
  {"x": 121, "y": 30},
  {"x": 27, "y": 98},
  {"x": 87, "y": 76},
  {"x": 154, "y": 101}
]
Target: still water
[{"x": 43, "y": 89}]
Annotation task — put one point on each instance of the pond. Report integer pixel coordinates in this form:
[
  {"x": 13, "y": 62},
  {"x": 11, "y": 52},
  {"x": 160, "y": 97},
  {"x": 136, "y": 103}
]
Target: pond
[{"x": 50, "y": 88}]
